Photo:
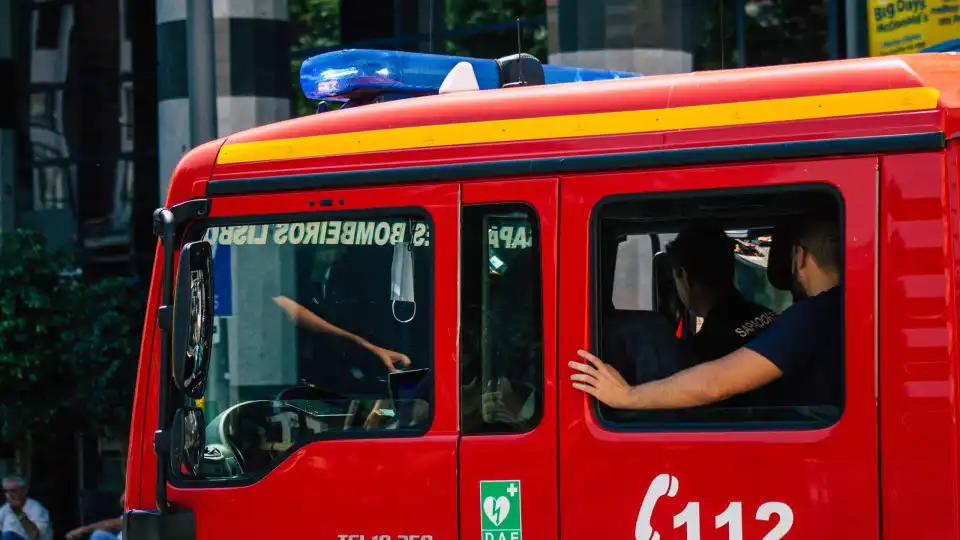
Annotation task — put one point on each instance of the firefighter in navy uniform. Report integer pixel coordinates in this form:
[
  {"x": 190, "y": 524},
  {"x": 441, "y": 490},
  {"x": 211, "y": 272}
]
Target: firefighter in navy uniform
[{"x": 702, "y": 257}]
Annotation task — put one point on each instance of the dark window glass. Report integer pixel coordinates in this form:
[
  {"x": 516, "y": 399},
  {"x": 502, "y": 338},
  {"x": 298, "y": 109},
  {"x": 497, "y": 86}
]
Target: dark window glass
[
  {"x": 653, "y": 325},
  {"x": 502, "y": 320},
  {"x": 48, "y": 25}
]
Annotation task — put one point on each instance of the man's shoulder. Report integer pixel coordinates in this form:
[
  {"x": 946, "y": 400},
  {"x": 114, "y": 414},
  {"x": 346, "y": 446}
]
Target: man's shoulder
[
  {"x": 826, "y": 301},
  {"x": 34, "y": 505},
  {"x": 807, "y": 315}
]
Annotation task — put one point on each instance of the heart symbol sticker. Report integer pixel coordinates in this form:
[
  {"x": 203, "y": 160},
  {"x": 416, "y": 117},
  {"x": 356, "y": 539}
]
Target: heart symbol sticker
[{"x": 496, "y": 509}]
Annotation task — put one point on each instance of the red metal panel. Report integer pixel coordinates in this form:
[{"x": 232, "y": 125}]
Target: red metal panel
[
  {"x": 872, "y": 125},
  {"x": 828, "y": 477},
  {"x": 195, "y": 167},
  {"x": 364, "y": 486},
  {"x": 918, "y": 360},
  {"x": 143, "y": 407},
  {"x": 531, "y": 457},
  {"x": 941, "y": 72},
  {"x": 727, "y": 86}
]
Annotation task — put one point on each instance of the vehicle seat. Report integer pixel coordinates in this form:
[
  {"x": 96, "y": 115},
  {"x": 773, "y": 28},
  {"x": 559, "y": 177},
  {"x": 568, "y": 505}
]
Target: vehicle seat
[
  {"x": 666, "y": 299},
  {"x": 643, "y": 346},
  {"x": 779, "y": 271}
]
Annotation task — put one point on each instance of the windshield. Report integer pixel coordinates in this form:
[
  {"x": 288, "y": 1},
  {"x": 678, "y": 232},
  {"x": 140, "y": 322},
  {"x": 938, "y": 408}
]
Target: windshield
[{"x": 320, "y": 326}]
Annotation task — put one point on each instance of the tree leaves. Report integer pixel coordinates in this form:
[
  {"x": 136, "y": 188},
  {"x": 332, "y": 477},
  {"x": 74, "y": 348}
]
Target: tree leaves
[
  {"x": 68, "y": 349},
  {"x": 466, "y": 13}
]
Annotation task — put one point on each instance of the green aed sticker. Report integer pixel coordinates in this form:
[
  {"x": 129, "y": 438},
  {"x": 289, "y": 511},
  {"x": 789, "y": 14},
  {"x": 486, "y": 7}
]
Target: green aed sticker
[{"x": 500, "y": 510}]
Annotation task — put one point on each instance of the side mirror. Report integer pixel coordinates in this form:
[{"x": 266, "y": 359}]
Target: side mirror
[
  {"x": 193, "y": 319},
  {"x": 187, "y": 441}
]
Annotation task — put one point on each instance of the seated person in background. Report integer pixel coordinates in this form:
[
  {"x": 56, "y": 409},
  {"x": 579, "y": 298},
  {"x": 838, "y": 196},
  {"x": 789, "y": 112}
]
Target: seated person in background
[
  {"x": 22, "y": 518},
  {"x": 643, "y": 345},
  {"x": 801, "y": 351},
  {"x": 108, "y": 529},
  {"x": 702, "y": 257}
]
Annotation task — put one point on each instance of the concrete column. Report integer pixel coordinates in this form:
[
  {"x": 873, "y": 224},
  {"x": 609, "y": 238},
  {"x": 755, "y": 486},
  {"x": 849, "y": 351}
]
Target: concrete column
[
  {"x": 647, "y": 36},
  {"x": 253, "y": 85},
  {"x": 8, "y": 115},
  {"x": 261, "y": 340},
  {"x": 253, "y": 63},
  {"x": 173, "y": 107},
  {"x": 252, "y": 48}
]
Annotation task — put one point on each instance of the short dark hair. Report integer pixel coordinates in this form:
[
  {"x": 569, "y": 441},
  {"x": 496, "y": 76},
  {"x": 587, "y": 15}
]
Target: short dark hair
[
  {"x": 705, "y": 252},
  {"x": 819, "y": 235}
]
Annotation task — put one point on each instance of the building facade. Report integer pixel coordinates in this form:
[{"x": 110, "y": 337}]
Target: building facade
[
  {"x": 79, "y": 150},
  {"x": 675, "y": 36}
]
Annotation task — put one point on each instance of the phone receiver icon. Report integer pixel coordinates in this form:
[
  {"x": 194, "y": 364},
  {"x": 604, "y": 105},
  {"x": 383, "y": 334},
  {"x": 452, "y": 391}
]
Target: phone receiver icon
[{"x": 663, "y": 484}]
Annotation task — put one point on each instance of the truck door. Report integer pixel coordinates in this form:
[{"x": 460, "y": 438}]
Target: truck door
[
  {"x": 331, "y": 400},
  {"x": 508, "y": 415},
  {"x": 756, "y": 467}
]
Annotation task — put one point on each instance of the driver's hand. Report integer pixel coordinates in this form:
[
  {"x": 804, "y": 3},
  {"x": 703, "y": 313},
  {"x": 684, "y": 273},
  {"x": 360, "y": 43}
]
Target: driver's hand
[
  {"x": 77, "y": 533},
  {"x": 391, "y": 358}
]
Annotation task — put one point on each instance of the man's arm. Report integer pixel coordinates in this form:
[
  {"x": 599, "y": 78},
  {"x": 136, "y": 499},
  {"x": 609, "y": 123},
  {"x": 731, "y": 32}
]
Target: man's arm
[
  {"x": 112, "y": 525},
  {"x": 782, "y": 347},
  {"x": 740, "y": 371},
  {"x": 309, "y": 319},
  {"x": 306, "y": 318}
]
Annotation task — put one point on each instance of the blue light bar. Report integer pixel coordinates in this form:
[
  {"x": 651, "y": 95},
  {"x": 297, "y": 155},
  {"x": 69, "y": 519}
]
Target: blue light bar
[
  {"x": 952, "y": 45},
  {"x": 355, "y": 72},
  {"x": 566, "y": 74}
]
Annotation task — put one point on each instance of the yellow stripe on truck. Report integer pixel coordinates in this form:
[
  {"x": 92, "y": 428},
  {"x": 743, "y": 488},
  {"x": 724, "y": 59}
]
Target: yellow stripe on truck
[{"x": 585, "y": 125}]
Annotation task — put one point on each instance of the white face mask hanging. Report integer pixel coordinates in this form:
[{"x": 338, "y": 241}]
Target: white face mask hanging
[{"x": 401, "y": 278}]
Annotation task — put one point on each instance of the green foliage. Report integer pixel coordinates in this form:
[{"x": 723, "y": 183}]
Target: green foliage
[
  {"x": 778, "y": 32},
  {"x": 315, "y": 24},
  {"x": 463, "y": 13},
  {"x": 36, "y": 310},
  {"x": 106, "y": 351},
  {"x": 68, "y": 350},
  {"x": 787, "y": 31}
]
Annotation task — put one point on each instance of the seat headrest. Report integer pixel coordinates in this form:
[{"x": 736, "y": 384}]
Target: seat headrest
[
  {"x": 778, "y": 261},
  {"x": 668, "y": 302}
]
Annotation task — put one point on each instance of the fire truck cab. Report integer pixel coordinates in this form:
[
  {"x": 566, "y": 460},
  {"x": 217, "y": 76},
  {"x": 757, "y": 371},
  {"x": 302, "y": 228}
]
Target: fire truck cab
[{"x": 360, "y": 321}]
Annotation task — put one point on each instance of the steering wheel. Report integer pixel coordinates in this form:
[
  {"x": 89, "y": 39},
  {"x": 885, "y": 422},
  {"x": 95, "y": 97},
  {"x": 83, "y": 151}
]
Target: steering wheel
[
  {"x": 309, "y": 392},
  {"x": 243, "y": 433}
]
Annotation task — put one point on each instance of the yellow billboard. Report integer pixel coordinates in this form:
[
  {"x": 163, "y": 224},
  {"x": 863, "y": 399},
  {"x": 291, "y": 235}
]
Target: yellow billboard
[{"x": 906, "y": 26}]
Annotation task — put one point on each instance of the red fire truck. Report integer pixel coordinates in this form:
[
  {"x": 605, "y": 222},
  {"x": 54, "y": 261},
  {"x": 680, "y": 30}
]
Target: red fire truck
[{"x": 360, "y": 321}]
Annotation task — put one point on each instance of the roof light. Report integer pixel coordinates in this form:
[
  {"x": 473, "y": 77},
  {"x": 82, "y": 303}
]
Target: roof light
[
  {"x": 567, "y": 74},
  {"x": 355, "y": 73},
  {"x": 460, "y": 79}
]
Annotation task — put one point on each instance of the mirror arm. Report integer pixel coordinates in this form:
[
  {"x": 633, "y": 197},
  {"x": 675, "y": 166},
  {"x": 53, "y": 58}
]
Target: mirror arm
[
  {"x": 167, "y": 224},
  {"x": 181, "y": 214}
]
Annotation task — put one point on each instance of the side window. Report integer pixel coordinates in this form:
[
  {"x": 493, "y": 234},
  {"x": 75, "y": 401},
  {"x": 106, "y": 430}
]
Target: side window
[
  {"x": 501, "y": 365},
  {"x": 691, "y": 280},
  {"x": 323, "y": 329}
]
